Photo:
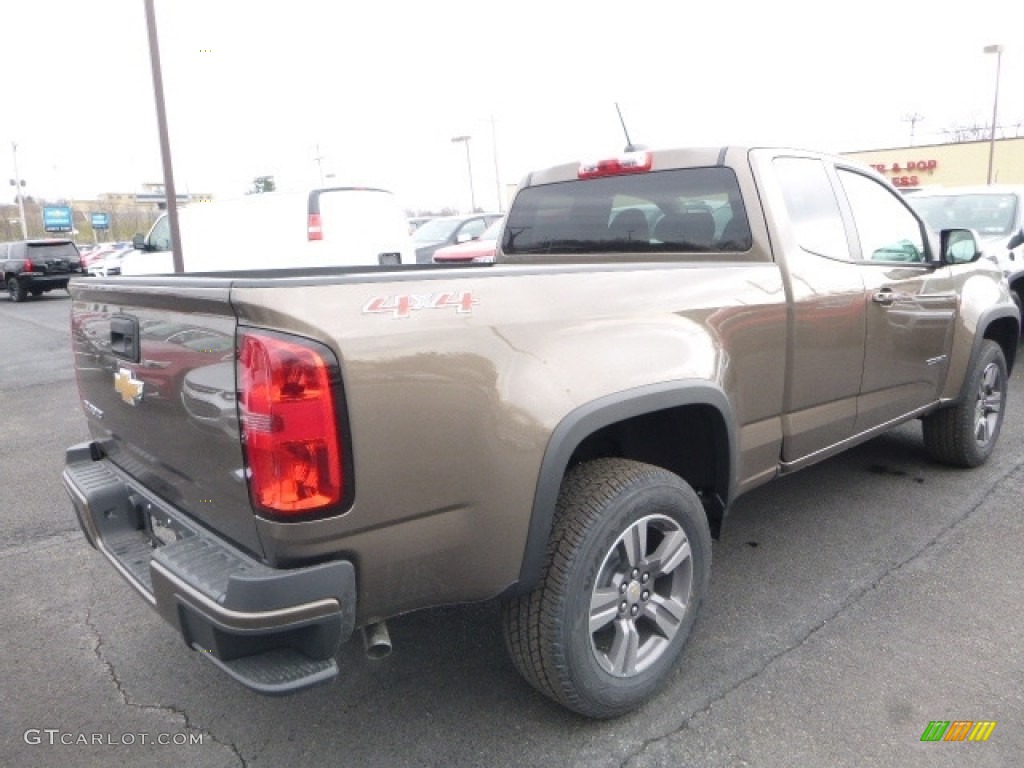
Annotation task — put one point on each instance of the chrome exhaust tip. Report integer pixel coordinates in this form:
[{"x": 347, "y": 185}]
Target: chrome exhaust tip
[{"x": 376, "y": 640}]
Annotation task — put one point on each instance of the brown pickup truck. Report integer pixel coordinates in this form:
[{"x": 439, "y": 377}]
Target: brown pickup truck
[{"x": 280, "y": 458}]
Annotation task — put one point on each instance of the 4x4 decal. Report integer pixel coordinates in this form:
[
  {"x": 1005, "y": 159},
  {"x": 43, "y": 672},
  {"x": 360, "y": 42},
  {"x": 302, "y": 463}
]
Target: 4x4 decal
[{"x": 404, "y": 305}]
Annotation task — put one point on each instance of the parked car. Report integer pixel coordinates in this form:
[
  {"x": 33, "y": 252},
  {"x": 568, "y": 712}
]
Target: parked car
[
  {"x": 479, "y": 249},
  {"x": 110, "y": 264},
  {"x": 449, "y": 230},
  {"x": 33, "y": 267},
  {"x": 337, "y": 226},
  {"x": 92, "y": 260},
  {"x": 415, "y": 222},
  {"x": 92, "y": 254},
  {"x": 994, "y": 212}
]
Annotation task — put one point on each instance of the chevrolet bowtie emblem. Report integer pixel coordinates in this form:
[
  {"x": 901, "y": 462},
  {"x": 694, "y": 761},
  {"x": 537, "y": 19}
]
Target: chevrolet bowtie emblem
[{"x": 129, "y": 388}]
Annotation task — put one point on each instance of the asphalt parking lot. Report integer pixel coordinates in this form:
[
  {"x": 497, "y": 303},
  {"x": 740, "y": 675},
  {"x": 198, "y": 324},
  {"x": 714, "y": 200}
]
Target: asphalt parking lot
[{"x": 851, "y": 604}]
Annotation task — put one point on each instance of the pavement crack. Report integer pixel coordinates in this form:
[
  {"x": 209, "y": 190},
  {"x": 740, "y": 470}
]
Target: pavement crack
[
  {"x": 852, "y": 600},
  {"x": 20, "y": 542},
  {"x": 97, "y": 649}
]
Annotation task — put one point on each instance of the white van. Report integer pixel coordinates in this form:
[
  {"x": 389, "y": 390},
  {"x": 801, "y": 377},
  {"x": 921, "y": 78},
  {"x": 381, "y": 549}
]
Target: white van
[{"x": 338, "y": 226}]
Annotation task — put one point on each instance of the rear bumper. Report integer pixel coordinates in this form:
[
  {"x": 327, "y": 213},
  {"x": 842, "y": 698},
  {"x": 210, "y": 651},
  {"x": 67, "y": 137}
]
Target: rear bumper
[
  {"x": 275, "y": 631},
  {"x": 46, "y": 282}
]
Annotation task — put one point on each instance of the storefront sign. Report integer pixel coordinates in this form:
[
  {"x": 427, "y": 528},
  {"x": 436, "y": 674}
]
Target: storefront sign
[{"x": 900, "y": 172}]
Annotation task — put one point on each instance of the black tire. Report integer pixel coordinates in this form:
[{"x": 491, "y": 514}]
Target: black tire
[
  {"x": 965, "y": 434},
  {"x": 16, "y": 289},
  {"x": 626, "y": 569}
]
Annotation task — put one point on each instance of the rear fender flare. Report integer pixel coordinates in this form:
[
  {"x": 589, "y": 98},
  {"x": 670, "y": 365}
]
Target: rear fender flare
[{"x": 587, "y": 419}]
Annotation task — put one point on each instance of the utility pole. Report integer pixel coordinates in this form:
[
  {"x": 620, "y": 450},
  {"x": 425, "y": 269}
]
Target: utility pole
[
  {"x": 319, "y": 164},
  {"x": 913, "y": 119},
  {"x": 469, "y": 164},
  {"x": 18, "y": 184}
]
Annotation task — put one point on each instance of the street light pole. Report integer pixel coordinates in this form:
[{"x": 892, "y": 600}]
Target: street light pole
[
  {"x": 469, "y": 165},
  {"x": 165, "y": 143},
  {"x": 18, "y": 192},
  {"x": 998, "y": 51},
  {"x": 497, "y": 174}
]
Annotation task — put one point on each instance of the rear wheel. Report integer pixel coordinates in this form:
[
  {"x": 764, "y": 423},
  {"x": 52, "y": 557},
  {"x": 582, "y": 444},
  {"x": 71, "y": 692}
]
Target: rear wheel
[
  {"x": 626, "y": 569},
  {"x": 16, "y": 289},
  {"x": 965, "y": 434}
]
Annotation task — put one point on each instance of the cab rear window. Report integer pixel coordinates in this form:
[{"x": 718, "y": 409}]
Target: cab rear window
[{"x": 692, "y": 210}]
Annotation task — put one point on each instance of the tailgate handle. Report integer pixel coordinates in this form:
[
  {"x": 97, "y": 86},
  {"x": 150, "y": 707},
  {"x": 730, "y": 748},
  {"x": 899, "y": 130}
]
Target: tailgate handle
[{"x": 124, "y": 337}]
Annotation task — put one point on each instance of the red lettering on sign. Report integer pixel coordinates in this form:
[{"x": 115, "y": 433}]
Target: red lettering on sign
[{"x": 905, "y": 181}]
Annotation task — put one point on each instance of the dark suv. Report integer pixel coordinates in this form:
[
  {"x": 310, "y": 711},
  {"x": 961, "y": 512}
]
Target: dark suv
[{"x": 36, "y": 266}]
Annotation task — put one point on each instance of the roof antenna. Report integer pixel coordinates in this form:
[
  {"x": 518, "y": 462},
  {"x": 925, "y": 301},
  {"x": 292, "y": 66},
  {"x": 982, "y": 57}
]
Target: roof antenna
[{"x": 630, "y": 146}]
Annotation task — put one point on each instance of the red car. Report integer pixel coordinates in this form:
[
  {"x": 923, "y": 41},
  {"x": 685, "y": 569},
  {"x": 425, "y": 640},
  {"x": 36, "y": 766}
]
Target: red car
[{"x": 481, "y": 249}]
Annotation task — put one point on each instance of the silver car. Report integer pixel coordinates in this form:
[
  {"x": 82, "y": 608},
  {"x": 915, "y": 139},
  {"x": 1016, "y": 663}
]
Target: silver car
[{"x": 994, "y": 212}]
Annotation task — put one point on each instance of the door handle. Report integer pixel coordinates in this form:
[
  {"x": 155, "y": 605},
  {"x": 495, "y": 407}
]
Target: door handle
[{"x": 885, "y": 297}]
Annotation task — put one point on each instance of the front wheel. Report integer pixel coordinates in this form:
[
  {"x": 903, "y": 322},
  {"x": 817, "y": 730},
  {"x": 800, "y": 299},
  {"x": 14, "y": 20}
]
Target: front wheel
[
  {"x": 626, "y": 569},
  {"x": 965, "y": 434}
]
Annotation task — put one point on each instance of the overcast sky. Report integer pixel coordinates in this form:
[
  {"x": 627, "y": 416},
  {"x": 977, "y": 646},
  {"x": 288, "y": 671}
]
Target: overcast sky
[{"x": 253, "y": 88}]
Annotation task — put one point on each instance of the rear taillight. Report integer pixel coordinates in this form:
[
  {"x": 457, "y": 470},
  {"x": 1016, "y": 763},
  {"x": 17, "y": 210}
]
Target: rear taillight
[
  {"x": 290, "y": 430},
  {"x": 314, "y": 230},
  {"x": 29, "y": 266}
]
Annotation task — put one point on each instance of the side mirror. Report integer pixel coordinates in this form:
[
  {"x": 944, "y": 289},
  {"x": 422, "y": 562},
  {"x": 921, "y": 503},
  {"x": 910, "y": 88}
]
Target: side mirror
[
  {"x": 463, "y": 237},
  {"x": 959, "y": 246},
  {"x": 1017, "y": 239},
  {"x": 139, "y": 243}
]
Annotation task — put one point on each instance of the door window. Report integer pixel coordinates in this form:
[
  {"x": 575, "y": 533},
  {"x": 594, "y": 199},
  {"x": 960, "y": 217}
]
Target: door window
[
  {"x": 887, "y": 230},
  {"x": 160, "y": 237}
]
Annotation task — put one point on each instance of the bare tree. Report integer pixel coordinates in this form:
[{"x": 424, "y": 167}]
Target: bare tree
[
  {"x": 981, "y": 131},
  {"x": 973, "y": 132}
]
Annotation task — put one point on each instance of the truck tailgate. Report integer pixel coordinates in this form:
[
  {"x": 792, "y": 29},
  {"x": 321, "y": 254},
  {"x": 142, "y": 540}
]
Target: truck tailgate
[{"x": 156, "y": 377}]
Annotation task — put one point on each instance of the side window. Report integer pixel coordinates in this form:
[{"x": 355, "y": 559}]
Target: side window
[
  {"x": 472, "y": 229},
  {"x": 160, "y": 237},
  {"x": 887, "y": 230},
  {"x": 812, "y": 206}
]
